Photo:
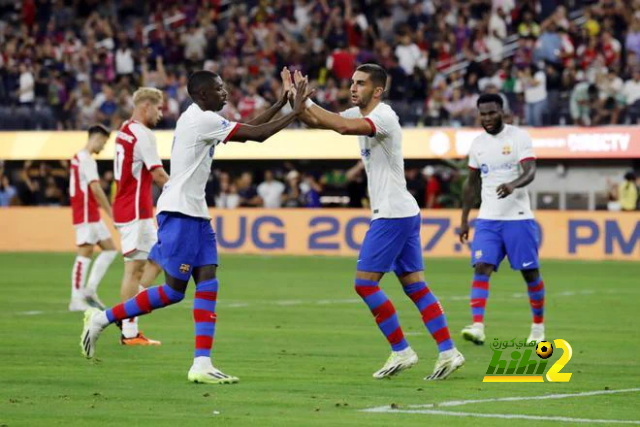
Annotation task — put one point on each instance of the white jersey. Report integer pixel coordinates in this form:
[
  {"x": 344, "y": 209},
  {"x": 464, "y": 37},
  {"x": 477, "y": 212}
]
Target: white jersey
[
  {"x": 382, "y": 157},
  {"x": 498, "y": 158},
  {"x": 196, "y": 136}
]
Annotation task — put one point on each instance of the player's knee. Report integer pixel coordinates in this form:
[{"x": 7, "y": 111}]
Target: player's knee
[
  {"x": 364, "y": 290},
  {"x": 484, "y": 269}
]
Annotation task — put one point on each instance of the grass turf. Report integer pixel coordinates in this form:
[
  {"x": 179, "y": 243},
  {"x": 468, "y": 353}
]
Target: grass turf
[{"x": 305, "y": 347}]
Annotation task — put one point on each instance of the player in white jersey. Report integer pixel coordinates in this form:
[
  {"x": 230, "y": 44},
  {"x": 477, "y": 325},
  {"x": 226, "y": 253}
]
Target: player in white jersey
[
  {"x": 502, "y": 163},
  {"x": 392, "y": 242},
  {"x": 86, "y": 196},
  {"x": 186, "y": 242}
]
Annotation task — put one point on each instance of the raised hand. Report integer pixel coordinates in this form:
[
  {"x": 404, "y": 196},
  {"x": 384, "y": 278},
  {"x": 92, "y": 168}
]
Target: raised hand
[
  {"x": 298, "y": 77},
  {"x": 301, "y": 96}
]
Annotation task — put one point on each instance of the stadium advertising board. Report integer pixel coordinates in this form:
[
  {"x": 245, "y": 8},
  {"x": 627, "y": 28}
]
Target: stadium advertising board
[
  {"x": 617, "y": 142},
  {"x": 564, "y": 235}
]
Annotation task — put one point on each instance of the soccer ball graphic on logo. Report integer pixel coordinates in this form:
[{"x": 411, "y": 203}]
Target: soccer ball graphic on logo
[{"x": 544, "y": 349}]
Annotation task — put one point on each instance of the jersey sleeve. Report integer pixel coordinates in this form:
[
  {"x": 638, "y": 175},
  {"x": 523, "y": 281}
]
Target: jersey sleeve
[
  {"x": 473, "y": 160},
  {"x": 380, "y": 121},
  {"x": 89, "y": 169},
  {"x": 215, "y": 129},
  {"x": 147, "y": 148},
  {"x": 525, "y": 147}
]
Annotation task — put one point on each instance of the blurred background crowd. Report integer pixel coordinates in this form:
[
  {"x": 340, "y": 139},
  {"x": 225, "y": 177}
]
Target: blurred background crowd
[{"x": 65, "y": 64}]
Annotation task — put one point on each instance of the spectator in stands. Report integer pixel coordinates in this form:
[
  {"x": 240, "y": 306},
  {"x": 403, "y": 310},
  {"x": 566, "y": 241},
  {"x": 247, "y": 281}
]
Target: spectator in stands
[
  {"x": 247, "y": 191},
  {"x": 631, "y": 93},
  {"x": 357, "y": 186},
  {"x": 311, "y": 191},
  {"x": 433, "y": 189},
  {"x": 7, "y": 191},
  {"x": 628, "y": 192},
  {"x": 533, "y": 83},
  {"x": 292, "y": 197},
  {"x": 584, "y": 103},
  {"x": 26, "y": 91},
  {"x": 270, "y": 191},
  {"x": 228, "y": 198}
]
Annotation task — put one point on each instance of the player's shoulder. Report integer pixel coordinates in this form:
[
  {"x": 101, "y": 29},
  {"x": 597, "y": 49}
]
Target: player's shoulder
[
  {"x": 518, "y": 133},
  {"x": 385, "y": 111},
  {"x": 84, "y": 156}
]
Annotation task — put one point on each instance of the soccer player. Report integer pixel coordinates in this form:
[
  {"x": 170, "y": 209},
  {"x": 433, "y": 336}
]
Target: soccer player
[
  {"x": 136, "y": 167},
  {"x": 501, "y": 163},
  {"x": 186, "y": 244},
  {"x": 392, "y": 242},
  {"x": 86, "y": 195}
]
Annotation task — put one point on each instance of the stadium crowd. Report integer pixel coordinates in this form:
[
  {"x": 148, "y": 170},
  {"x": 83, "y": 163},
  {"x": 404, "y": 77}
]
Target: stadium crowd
[
  {"x": 45, "y": 183},
  {"x": 67, "y": 63}
]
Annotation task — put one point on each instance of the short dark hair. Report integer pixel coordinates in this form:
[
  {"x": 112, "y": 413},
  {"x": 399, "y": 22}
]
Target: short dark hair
[
  {"x": 198, "y": 80},
  {"x": 487, "y": 98},
  {"x": 377, "y": 74},
  {"x": 98, "y": 128}
]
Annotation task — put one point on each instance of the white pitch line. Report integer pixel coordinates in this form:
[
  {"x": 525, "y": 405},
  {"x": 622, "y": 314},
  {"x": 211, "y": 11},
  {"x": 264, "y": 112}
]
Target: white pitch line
[
  {"x": 424, "y": 409},
  {"x": 515, "y": 399},
  {"x": 514, "y": 416},
  {"x": 243, "y": 304}
]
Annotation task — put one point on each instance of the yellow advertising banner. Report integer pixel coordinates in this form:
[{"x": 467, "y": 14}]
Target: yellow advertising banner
[
  {"x": 575, "y": 235},
  {"x": 621, "y": 142}
]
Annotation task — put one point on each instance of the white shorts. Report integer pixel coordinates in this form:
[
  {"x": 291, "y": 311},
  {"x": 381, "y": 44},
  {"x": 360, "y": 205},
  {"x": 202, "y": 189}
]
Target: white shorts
[
  {"x": 137, "y": 239},
  {"x": 90, "y": 233}
]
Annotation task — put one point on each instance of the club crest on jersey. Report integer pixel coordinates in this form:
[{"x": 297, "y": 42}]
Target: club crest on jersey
[
  {"x": 184, "y": 268},
  {"x": 365, "y": 152},
  {"x": 506, "y": 150},
  {"x": 484, "y": 168}
]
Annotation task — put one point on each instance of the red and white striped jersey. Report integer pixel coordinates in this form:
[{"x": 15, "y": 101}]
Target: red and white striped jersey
[
  {"x": 84, "y": 171},
  {"x": 136, "y": 156}
]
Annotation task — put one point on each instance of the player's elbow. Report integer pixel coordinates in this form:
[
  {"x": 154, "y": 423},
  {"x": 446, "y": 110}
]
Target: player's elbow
[{"x": 343, "y": 129}]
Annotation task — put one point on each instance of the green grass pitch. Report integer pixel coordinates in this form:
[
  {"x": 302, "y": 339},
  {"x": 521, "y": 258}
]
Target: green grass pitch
[{"x": 304, "y": 347}]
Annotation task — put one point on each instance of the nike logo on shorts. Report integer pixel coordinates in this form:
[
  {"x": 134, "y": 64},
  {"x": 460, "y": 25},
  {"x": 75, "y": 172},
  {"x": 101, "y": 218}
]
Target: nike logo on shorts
[{"x": 527, "y": 264}]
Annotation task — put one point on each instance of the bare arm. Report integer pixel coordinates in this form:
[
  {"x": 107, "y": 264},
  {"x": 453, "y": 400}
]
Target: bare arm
[
  {"x": 260, "y": 133},
  {"x": 337, "y": 123},
  {"x": 526, "y": 178},
  {"x": 101, "y": 197},
  {"x": 469, "y": 193},
  {"x": 160, "y": 176},
  {"x": 272, "y": 111}
]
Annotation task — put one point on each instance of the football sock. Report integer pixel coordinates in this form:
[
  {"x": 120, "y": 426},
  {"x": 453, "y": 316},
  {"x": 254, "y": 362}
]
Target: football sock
[
  {"x": 479, "y": 295},
  {"x": 383, "y": 311},
  {"x": 536, "y": 299},
  {"x": 130, "y": 328},
  {"x": 204, "y": 316},
  {"x": 79, "y": 275},
  {"x": 143, "y": 303},
  {"x": 432, "y": 314},
  {"x": 100, "y": 266}
]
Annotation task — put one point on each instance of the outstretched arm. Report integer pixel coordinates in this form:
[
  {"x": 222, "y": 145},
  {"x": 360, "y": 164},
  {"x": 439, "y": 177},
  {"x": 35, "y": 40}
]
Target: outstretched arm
[
  {"x": 260, "y": 133},
  {"x": 318, "y": 117}
]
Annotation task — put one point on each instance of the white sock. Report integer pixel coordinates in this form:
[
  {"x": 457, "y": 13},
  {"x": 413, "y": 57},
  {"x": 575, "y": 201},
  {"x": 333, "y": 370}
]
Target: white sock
[
  {"x": 130, "y": 327},
  {"x": 99, "y": 269},
  {"x": 79, "y": 276},
  {"x": 101, "y": 319},
  {"x": 202, "y": 363}
]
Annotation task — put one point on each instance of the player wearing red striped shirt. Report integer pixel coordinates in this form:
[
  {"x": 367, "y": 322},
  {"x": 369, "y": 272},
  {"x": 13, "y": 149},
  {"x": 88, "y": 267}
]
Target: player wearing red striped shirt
[
  {"x": 86, "y": 196},
  {"x": 137, "y": 166}
]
